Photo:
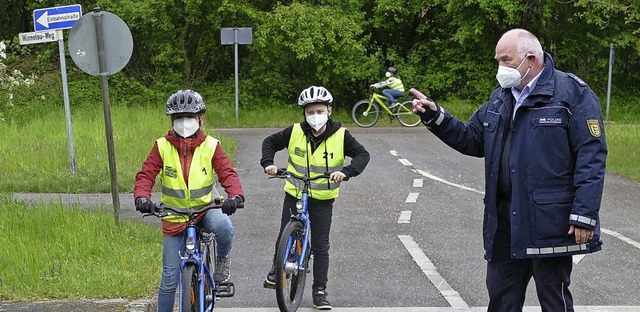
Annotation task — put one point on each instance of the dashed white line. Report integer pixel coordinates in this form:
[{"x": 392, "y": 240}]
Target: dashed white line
[
  {"x": 405, "y": 162},
  {"x": 393, "y": 152},
  {"x": 412, "y": 198},
  {"x": 427, "y": 267},
  {"x": 405, "y": 217},
  {"x": 418, "y": 182},
  {"x": 577, "y": 258}
]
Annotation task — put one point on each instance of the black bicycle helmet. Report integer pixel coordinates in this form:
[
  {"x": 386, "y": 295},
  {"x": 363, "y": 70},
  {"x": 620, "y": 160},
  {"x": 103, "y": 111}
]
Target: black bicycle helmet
[
  {"x": 185, "y": 101},
  {"x": 314, "y": 94},
  {"x": 392, "y": 70}
]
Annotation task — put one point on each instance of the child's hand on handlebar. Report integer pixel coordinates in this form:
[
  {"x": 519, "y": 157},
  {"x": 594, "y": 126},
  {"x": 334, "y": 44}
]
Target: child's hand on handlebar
[
  {"x": 337, "y": 176},
  {"x": 271, "y": 170}
]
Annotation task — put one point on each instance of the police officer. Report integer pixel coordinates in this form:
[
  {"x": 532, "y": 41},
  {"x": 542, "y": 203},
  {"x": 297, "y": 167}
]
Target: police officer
[{"x": 541, "y": 134}]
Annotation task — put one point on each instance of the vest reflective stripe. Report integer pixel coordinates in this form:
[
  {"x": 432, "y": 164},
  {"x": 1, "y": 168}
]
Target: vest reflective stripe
[
  {"x": 318, "y": 164},
  {"x": 175, "y": 192},
  {"x": 396, "y": 84}
]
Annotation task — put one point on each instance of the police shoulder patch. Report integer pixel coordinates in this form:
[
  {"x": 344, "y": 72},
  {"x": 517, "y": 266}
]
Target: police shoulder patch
[
  {"x": 577, "y": 79},
  {"x": 594, "y": 127}
]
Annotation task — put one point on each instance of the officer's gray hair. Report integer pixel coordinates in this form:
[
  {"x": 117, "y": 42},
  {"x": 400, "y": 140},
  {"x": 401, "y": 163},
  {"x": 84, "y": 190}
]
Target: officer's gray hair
[{"x": 528, "y": 43}]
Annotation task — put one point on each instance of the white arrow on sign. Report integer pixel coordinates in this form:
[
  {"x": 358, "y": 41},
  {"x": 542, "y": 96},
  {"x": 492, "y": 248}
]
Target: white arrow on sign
[{"x": 45, "y": 18}]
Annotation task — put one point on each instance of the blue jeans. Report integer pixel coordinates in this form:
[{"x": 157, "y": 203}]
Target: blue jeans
[
  {"x": 214, "y": 221},
  {"x": 392, "y": 95}
]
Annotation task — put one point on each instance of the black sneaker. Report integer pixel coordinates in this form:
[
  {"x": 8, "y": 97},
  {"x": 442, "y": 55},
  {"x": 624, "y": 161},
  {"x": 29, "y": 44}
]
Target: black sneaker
[
  {"x": 270, "y": 281},
  {"x": 320, "y": 301}
]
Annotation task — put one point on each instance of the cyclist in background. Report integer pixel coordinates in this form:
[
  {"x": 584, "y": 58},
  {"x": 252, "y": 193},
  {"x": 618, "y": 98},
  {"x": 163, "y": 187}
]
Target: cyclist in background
[
  {"x": 315, "y": 146},
  {"x": 189, "y": 164},
  {"x": 395, "y": 88}
]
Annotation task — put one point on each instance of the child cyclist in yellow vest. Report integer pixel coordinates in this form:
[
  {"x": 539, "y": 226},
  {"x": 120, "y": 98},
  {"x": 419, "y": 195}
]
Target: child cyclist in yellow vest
[
  {"x": 307, "y": 143},
  {"x": 189, "y": 163},
  {"x": 395, "y": 88}
]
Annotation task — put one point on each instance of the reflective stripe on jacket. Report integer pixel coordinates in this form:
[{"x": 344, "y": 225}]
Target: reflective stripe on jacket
[
  {"x": 328, "y": 157},
  {"x": 202, "y": 178}
]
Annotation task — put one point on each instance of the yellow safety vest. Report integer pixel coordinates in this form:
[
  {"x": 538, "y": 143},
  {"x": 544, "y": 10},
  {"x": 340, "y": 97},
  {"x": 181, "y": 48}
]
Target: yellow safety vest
[
  {"x": 202, "y": 179},
  {"x": 328, "y": 157},
  {"x": 396, "y": 84}
]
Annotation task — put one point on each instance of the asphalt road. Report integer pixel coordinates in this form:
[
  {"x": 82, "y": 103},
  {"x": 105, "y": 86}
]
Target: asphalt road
[{"x": 406, "y": 234}]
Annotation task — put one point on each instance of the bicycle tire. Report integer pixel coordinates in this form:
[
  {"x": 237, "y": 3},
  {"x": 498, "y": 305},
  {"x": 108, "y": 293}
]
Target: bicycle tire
[
  {"x": 209, "y": 256},
  {"x": 189, "y": 297},
  {"x": 406, "y": 116},
  {"x": 290, "y": 284},
  {"x": 364, "y": 116}
]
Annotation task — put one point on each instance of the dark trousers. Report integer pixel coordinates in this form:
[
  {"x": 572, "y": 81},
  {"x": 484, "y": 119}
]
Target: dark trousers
[
  {"x": 320, "y": 215},
  {"x": 507, "y": 278}
]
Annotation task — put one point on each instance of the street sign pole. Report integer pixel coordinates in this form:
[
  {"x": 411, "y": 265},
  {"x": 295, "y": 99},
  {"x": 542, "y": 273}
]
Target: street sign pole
[
  {"x": 67, "y": 107},
  {"x": 102, "y": 61},
  {"x": 236, "y": 36},
  {"x": 235, "y": 66}
]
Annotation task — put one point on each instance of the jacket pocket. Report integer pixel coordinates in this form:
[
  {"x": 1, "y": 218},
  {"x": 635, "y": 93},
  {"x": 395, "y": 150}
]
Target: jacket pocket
[{"x": 552, "y": 210}]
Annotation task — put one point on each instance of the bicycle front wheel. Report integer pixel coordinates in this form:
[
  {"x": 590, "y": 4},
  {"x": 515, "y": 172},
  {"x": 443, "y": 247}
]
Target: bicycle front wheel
[
  {"x": 365, "y": 114},
  {"x": 289, "y": 279},
  {"x": 406, "y": 116},
  {"x": 189, "y": 297}
]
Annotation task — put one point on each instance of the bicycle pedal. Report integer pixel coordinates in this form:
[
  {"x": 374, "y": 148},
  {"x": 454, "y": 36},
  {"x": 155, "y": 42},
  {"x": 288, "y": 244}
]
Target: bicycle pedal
[
  {"x": 225, "y": 289},
  {"x": 268, "y": 285}
]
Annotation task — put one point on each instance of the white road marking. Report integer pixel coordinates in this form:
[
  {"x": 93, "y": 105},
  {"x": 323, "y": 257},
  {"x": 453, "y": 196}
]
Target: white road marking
[
  {"x": 427, "y": 267},
  {"x": 393, "y": 152},
  {"x": 432, "y": 177},
  {"x": 405, "y": 162},
  {"x": 621, "y": 237},
  {"x": 577, "y": 258},
  {"x": 412, "y": 198},
  {"x": 405, "y": 217},
  {"x": 418, "y": 182}
]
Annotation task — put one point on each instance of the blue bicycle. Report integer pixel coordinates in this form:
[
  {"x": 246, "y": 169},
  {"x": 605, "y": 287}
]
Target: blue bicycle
[
  {"x": 197, "y": 291},
  {"x": 294, "y": 248}
]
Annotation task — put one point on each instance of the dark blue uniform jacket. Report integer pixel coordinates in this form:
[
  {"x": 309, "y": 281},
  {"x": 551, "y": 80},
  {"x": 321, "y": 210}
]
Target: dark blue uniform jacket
[{"x": 556, "y": 165}]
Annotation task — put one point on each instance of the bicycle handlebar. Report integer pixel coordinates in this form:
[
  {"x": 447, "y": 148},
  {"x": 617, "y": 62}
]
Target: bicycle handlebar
[
  {"x": 282, "y": 173},
  {"x": 162, "y": 210}
]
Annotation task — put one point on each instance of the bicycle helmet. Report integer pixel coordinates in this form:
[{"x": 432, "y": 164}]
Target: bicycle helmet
[
  {"x": 185, "y": 101},
  {"x": 392, "y": 70},
  {"x": 314, "y": 94}
]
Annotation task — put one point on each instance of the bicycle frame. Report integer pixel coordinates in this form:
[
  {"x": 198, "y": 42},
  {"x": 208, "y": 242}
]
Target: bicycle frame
[
  {"x": 195, "y": 245},
  {"x": 302, "y": 216},
  {"x": 196, "y": 258},
  {"x": 380, "y": 99}
]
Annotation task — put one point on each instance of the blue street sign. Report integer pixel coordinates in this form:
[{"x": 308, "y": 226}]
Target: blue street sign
[{"x": 61, "y": 17}]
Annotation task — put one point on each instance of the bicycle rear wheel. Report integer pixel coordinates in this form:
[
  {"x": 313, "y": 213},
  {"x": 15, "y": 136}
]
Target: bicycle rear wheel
[
  {"x": 365, "y": 115},
  {"x": 189, "y": 297},
  {"x": 289, "y": 279},
  {"x": 406, "y": 116}
]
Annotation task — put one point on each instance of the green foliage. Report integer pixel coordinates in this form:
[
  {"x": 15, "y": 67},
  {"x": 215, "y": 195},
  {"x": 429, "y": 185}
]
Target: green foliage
[{"x": 300, "y": 45}]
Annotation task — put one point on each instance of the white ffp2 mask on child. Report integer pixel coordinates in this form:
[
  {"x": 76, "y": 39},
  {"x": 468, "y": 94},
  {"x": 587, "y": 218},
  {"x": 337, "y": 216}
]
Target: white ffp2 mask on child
[
  {"x": 317, "y": 121},
  {"x": 186, "y": 127}
]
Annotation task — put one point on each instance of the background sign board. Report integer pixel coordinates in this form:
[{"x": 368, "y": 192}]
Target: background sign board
[
  {"x": 228, "y": 35},
  {"x": 61, "y": 17},
  {"x": 38, "y": 37},
  {"x": 117, "y": 42}
]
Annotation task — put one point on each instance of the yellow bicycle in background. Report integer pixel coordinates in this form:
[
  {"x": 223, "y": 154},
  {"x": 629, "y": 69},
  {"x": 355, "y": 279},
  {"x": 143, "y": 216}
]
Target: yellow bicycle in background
[{"x": 366, "y": 112}]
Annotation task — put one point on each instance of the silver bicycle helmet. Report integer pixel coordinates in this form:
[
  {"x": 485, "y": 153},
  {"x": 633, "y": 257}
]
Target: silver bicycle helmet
[
  {"x": 185, "y": 101},
  {"x": 315, "y": 94}
]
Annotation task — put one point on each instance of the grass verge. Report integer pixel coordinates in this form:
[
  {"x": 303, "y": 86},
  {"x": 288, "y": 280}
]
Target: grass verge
[{"x": 51, "y": 251}]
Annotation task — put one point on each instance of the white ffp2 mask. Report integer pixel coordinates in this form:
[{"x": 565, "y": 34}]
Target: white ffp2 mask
[
  {"x": 509, "y": 77},
  {"x": 186, "y": 127},
  {"x": 317, "y": 121}
]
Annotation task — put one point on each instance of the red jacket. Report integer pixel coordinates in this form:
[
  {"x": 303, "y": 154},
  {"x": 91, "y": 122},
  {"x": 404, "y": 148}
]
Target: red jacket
[{"x": 146, "y": 177}]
